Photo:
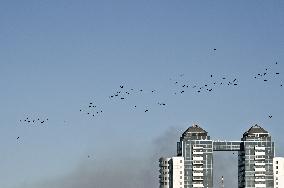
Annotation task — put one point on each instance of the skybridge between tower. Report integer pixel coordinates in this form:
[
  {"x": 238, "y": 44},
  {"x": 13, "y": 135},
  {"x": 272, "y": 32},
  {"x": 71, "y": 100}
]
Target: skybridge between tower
[
  {"x": 226, "y": 145},
  {"x": 195, "y": 148}
]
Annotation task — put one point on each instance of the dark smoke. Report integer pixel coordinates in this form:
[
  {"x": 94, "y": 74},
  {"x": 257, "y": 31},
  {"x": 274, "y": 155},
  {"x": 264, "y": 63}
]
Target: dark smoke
[
  {"x": 121, "y": 172},
  {"x": 136, "y": 171}
]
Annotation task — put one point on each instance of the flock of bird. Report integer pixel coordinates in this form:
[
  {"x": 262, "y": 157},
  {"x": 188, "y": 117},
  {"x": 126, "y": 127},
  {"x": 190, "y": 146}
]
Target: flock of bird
[
  {"x": 268, "y": 74},
  {"x": 209, "y": 86},
  {"x": 123, "y": 94},
  {"x": 181, "y": 86},
  {"x": 91, "y": 109},
  {"x": 34, "y": 121}
]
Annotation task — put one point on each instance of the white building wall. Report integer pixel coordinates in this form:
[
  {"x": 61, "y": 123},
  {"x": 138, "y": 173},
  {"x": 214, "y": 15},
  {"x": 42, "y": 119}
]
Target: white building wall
[
  {"x": 177, "y": 172},
  {"x": 278, "y": 171}
]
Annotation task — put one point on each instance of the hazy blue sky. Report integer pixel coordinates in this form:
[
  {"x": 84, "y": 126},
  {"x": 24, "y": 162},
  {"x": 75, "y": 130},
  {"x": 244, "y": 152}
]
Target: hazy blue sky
[{"x": 57, "y": 56}]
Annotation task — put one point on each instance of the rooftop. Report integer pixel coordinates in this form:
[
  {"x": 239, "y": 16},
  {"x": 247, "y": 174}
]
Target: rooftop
[
  {"x": 255, "y": 130},
  {"x": 193, "y": 130}
]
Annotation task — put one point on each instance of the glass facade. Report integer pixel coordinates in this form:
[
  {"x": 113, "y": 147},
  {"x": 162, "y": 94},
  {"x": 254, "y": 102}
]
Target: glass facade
[
  {"x": 197, "y": 149},
  {"x": 255, "y": 158}
]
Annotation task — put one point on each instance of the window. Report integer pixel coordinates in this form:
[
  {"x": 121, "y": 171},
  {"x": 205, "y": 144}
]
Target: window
[
  {"x": 180, "y": 172},
  {"x": 276, "y": 167},
  {"x": 180, "y": 177},
  {"x": 180, "y": 161}
]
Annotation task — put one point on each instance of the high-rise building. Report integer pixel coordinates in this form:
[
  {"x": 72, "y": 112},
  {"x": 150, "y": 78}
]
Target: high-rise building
[
  {"x": 255, "y": 158},
  {"x": 278, "y": 170},
  {"x": 197, "y": 149}
]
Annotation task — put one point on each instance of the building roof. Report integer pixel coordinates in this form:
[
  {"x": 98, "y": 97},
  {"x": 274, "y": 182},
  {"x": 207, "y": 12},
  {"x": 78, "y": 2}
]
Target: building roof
[
  {"x": 256, "y": 129},
  {"x": 194, "y": 129}
]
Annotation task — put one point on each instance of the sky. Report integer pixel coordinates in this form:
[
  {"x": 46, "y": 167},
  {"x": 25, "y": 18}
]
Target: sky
[{"x": 57, "y": 57}]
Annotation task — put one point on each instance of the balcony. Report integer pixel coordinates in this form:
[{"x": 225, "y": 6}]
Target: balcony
[
  {"x": 259, "y": 148},
  {"x": 197, "y": 147},
  {"x": 197, "y": 174},
  {"x": 259, "y": 158},
  {"x": 198, "y": 185},
  {"x": 197, "y": 178},
  {"x": 259, "y": 180},
  {"x": 197, "y": 158},
  {"x": 197, "y": 152},
  {"x": 259, "y": 169},
  {"x": 260, "y": 185},
  {"x": 259, "y": 164},
  {"x": 197, "y": 162},
  {"x": 258, "y": 153},
  {"x": 197, "y": 168},
  {"x": 259, "y": 175}
]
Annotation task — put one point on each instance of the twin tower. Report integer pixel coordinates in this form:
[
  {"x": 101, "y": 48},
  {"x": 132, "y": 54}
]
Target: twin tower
[{"x": 193, "y": 166}]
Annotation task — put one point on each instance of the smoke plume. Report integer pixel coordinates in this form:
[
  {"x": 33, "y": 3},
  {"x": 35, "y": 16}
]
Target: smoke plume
[{"x": 121, "y": 172}]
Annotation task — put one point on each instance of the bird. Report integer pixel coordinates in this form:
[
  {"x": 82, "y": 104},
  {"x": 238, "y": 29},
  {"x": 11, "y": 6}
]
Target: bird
[
  {"x": 270, "y": 116},
  {"x": 215, "y": 49},
  {"x": 146, "y": 110},
  {"x": 18, "y": 138}
]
